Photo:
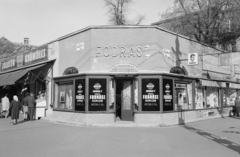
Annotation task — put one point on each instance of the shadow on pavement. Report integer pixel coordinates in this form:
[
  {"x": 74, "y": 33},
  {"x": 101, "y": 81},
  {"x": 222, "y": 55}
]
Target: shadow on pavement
[
  {"x": 234, "y": 132},
  {"x": 2, "y": 116},
  {"x": 235, "y": 117},
  {"x": 22, "y": 121},
  {"x": 231, "y": 145},
  {"x": 181, "y": 117}
]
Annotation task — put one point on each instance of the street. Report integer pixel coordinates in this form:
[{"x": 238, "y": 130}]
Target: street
[{"x": 46, "y": 138}]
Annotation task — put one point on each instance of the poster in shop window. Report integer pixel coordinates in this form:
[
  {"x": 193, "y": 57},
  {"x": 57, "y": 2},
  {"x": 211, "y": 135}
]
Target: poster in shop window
[
  {"x": 150, "y": 95},
  {"x": 167, "y": 95},
  {"x": 97, "y": 94},
  {"x": 80, "y": 95}
]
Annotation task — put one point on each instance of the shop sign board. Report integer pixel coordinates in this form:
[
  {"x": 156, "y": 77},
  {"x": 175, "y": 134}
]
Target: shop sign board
[
  {"x": 236, "y": 69},
  {"x": 150, "y": 95},
  {"x": 167, "y": 94},
  {"x": 123, "y": 51},
  {"x": 80, "y": 95},
  {"x": 233, "y": 85},
  {"x": 35, "y": 55},
  {"x": 211, "y": 63},
  {"x": 193, "y": 59},
  {"x": 27, "y": 58},
  {"x": 97, "y": 94},
  {"x": 177, "y": 85},
  {"x": 227, "y": 59}
]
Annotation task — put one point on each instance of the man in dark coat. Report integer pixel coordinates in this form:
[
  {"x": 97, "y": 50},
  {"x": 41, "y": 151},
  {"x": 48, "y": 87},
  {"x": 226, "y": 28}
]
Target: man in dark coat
[
  {"x": 31, "y": 103},
  {"x": 237, "y": 105}
]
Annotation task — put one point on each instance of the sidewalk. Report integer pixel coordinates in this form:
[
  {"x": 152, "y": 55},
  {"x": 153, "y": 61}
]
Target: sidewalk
[{"x": 45, "y": 138}]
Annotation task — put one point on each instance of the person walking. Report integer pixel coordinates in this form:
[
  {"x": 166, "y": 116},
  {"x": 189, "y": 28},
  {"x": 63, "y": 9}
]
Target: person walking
[
  {"x": 31, "y": 103},
  {"x": 25, "y": 107},
  {"x": 15, "y": 107},
  {"x": 5, "y": 104},
  {"x": 237, "y": 105}
]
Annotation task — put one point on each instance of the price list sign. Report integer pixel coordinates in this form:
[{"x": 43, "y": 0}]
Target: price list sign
[{"x": 97, "y": 94}]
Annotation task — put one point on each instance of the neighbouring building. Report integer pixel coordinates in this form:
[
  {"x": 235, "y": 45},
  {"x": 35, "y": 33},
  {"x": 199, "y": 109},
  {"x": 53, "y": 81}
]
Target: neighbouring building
[{"x": 142, "y": 74}]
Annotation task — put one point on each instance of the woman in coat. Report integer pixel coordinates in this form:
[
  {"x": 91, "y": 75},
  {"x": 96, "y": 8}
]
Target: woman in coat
[{"x": 15, "y": 107}]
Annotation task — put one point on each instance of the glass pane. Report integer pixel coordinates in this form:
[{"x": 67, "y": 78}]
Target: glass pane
[
  {"x": 189, "y": 96},
  {"x": 69, "y": 99},
  {"x": 136, "y": 95},
  {"x": 232, "y": 94},
  {"x": 224, "y": 97},
  {"x": 212, "y": 97},
  {"x": 112, "y": 95},
  {"x": 183, "y": 96},
  {"x": 199, "y": 97},
  {"x": 65, "y": 96},
  {"x": 56, "y": 96}
]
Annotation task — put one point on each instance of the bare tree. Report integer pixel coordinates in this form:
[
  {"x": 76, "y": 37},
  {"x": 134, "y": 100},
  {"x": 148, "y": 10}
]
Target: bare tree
[
  {"x": 118, "y": 10},
  {"x": 208, "y": 21}
]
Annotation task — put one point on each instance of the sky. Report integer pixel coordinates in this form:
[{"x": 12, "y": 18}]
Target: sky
[{"x": 45, "y": 20}]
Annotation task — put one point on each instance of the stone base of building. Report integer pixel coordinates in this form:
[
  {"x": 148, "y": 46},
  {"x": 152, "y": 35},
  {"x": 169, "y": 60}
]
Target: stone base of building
[
  {"x": 83, "y": 118},
  {"x": 140, "y": 119}
]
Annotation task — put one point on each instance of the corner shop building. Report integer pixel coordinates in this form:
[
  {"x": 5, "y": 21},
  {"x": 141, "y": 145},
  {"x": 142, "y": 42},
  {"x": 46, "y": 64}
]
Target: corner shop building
[{"x": 106, "y": 74}]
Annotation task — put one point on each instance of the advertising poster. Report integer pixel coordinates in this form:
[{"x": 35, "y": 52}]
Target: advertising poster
[
  {"x": 62, "y": 97},
  {"x": 192, "y": 58},
  {"x": 167, "y": 95},
  {"x": 150, "y": 95},
  {"x": 80, "y": 95},
  {"x": 97, "y": 94}
]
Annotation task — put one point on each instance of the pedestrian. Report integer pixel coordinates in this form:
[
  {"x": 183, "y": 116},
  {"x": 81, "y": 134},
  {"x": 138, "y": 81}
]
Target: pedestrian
[
  {"x": 31, "y": 103},
  {"x": 15, "y": 108},
  {"x": 237, "y": 105},
  {"x": 25, "y": 107},
  {"x": 5, "y": 104}
]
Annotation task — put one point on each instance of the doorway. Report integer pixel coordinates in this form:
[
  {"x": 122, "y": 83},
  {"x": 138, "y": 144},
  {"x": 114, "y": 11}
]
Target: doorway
[{"x": 124, "y": 99}]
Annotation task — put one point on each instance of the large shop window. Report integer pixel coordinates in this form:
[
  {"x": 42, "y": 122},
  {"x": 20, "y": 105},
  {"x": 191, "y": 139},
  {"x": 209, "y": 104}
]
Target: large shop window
[
  {"x": 150, "y": 94},
  {"x": 183, "y": 96},
  {"x": 212, "y": 97},
  {"x": 199, "y": 96},
  {"x": 167, "y": 94},
  {"x": 97, "y": 94},
  {"x": 231, "y": 97},
  {"x": 80, "y": 95},
  {"x": 65, "y": 100},
  {"x": 40, "y": 87}
]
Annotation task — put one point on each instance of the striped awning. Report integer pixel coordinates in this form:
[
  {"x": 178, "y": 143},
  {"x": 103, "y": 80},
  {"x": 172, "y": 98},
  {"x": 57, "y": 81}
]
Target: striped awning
[{"x": 11, "y": 77}]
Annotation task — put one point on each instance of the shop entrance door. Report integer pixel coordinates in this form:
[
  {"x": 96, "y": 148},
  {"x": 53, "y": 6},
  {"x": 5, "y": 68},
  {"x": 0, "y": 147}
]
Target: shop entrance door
[{"x": 124, "y": 99}]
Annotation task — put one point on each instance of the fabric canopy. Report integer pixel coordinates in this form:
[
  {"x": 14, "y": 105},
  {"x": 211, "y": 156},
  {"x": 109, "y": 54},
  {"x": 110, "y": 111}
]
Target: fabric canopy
[
  {"x": 209, "y": 83},
  {"x": 12, "y": 77}
]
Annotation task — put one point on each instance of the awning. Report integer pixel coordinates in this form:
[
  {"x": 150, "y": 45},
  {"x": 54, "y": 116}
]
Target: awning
[
  {"x": 12, "y": 77},
  {"x": 209, "y": 83}
]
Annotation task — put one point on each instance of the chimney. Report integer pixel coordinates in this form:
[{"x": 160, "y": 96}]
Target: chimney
[{"x": 26, "y": 41}]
